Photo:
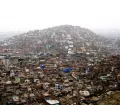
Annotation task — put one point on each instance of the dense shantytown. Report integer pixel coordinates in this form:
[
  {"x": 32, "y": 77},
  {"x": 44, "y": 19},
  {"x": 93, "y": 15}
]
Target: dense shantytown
[
  {"x": 51, "y": 80},
  {"x": 83, "y": 75}
]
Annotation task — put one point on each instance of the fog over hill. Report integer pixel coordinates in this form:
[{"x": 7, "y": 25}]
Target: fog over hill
[
  {"x": 108, "y": 32},
  {"x": 7, "y": 34}
]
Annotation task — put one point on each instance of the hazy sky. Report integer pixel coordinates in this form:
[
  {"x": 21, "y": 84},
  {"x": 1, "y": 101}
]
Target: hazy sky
[{"x": 16, "y": 15}]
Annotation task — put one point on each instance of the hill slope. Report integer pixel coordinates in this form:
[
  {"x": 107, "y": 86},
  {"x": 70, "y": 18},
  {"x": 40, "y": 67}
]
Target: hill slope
[{"x": 59, "y": 39}]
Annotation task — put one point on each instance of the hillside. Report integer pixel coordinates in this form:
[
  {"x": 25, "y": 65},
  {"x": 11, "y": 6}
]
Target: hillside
[{"x": 58, "y": 39}]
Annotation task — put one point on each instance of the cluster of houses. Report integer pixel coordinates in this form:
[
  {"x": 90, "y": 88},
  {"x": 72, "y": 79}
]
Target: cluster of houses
[{"x": 48, "y": 79}]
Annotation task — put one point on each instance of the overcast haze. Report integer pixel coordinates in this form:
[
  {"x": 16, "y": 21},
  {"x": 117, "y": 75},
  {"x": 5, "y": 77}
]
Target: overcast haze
[{"x": 24, "y": 15}]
